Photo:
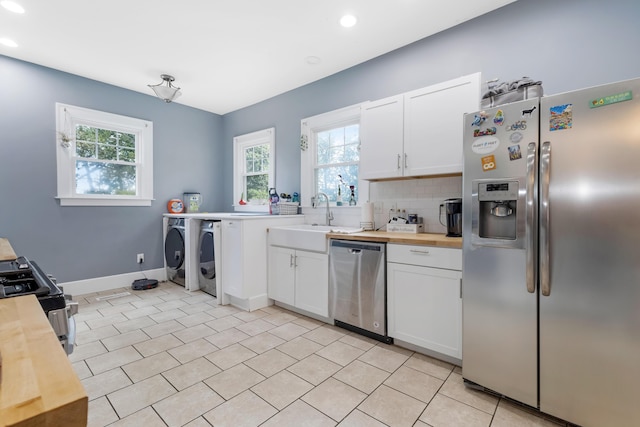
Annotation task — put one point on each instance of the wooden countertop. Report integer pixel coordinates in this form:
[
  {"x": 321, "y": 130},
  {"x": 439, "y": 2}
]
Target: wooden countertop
[
  {"x": 6, "y": 251},
  {"x": 426, "y": 239},
  {"x": 38, "y": 386}
]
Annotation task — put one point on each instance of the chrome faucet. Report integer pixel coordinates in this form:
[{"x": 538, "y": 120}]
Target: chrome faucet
[{"x": 329, "y": 214}]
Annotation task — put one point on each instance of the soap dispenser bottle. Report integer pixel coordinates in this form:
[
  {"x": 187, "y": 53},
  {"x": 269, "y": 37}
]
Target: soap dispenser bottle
[{"x": 352, "y": 196}]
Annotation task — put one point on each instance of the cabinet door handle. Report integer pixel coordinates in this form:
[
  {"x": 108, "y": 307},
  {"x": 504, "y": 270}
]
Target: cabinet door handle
[
  {"x": 461, "y": 288},
  {"x": 419, "y": 251},
  {"x": 291, "y": 261},
  {"x": 405, "y": 161},
  {"x": 398, "y": 161}
]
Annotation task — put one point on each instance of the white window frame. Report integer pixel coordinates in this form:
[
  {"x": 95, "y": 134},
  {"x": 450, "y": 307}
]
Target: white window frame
[
  {"x": 67, "y": 117},
  {"x": 240, "y": 144},
  {"x": 310, "y": 127}
]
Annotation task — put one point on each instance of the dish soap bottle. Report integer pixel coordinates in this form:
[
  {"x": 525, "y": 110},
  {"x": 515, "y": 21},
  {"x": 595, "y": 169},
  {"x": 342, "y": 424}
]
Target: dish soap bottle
[
  {"x": 274, "y": 209},
  {"x": 352, "y": 197}
]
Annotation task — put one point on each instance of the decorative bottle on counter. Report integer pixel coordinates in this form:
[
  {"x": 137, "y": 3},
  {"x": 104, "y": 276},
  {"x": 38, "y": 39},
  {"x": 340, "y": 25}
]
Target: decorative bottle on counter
[
  {"x": 274, "y": 209},
  {"x": 352, "y": 197}
]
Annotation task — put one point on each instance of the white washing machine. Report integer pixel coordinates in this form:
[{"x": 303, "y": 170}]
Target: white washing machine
[
  {"x": 174, "y": 250},
  {"x": 209, "y": 250}
]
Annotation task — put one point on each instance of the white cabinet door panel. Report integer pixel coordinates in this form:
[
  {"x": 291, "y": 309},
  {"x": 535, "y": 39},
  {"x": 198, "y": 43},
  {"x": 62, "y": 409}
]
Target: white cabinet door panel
[
  {"x": 425, "y": 308},
  {"x": 312, "y": 282},
  {"x": 232, "y": 258},
  {"x": 381, "y": 136},
  {"x": 282, "y": 274},
  {"x": 433, "y": 125}
]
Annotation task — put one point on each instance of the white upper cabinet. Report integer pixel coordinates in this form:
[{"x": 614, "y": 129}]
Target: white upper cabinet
[
  {"x": 418, "y": 133},
  {"x": 381, "y": 136}
]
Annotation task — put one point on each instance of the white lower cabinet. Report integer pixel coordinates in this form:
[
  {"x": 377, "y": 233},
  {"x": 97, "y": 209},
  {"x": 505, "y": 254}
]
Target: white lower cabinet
[
  {"x": 244, "y": 259},
  {"x": 300, "y": 279},
  {"x": 424, "y": 303}
]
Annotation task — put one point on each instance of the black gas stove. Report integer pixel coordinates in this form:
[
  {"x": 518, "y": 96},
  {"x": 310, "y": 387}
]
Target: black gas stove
[{"x": 23, "y": 277}]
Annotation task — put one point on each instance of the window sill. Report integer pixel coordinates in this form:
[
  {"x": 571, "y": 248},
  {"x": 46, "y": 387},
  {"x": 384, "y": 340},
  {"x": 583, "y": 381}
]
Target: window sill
[
  {"x": 251, "y": 208},
  {"x": 100, "y": 201}
]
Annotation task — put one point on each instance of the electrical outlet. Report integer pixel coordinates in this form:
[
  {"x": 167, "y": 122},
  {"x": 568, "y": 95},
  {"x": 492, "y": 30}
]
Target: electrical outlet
[{"x": 140, "y": 258}]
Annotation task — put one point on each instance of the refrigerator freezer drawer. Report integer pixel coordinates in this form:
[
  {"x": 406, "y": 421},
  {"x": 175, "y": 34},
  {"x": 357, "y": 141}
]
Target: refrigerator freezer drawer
[{"x": 425, "y": 256}]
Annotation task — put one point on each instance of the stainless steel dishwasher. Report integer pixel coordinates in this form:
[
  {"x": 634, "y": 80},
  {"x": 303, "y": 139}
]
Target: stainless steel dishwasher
[{"x": 358, "y": 287}]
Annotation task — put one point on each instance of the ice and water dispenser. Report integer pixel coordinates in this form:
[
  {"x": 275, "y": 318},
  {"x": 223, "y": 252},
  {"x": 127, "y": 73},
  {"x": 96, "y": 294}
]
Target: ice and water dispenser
[{"x": 495, "y": 211}]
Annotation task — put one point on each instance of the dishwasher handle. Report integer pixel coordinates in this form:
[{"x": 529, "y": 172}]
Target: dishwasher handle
[
  {"x": 355, "y": 251},
  {"x": 357, "y": 245}
]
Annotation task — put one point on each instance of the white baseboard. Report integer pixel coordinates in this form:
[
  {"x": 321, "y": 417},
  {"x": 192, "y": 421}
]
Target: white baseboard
[
  {"x": 247, "y": 304},
  {"x": 99, "y": 284}
]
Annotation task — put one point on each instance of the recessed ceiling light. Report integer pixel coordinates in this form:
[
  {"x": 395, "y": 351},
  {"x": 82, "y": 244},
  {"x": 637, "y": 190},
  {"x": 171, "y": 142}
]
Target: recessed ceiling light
[
  {"x": 313, "y": 60},
  {"x": 8, "y": 42},
  {"x": 12, "y": 6},
  {"x": 348, "y": 21}
]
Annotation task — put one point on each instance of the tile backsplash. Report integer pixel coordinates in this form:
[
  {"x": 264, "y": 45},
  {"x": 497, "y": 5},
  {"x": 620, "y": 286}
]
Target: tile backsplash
[{"x": 422, "y": 196}]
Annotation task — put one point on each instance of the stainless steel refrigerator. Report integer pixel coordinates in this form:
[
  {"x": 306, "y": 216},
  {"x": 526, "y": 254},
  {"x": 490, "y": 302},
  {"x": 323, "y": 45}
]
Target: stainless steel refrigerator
[{"x": 551, "y": 253}]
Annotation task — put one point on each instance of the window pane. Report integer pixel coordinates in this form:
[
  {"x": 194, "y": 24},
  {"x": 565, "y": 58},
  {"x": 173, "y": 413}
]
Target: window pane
[
  {"x": 85, "y": 149},
  {"x": 248, "y": 157},
  {"x": 127, "y": 140},
  {"x": 338, "y": 145},
  {"x": 323, "y": 147},
  {"x": 85, "y": 133},
  {"x": 257, "y": 158},
  {"x": 105, "y": 178},
  {"x": 327, "y": 181},
  {"x": 352, "y": 143},
  {"x": 126, "y": 155},
  {"x": 106, "y": 136},
  {"x": 107, "y": 152},
  {"x": 257, "y": 187}
]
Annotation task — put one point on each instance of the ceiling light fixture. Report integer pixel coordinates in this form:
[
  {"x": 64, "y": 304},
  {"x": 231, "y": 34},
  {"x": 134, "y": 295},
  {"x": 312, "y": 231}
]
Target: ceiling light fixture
[
  {"x": 348, "y": 21},
  {"x": 12, "y": 6},
  {"x": 165, "y": 90},
  {"x": 8, "y": 42}
]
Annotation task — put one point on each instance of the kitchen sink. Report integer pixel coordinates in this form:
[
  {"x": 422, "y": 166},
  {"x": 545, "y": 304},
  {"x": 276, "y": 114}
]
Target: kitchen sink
[{"x": 308, "y": 237}]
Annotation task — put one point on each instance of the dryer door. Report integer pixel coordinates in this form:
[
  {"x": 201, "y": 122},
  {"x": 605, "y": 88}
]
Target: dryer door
[
  {"x": 174, "y": 248},
  {"x": 207, "y": 256}
]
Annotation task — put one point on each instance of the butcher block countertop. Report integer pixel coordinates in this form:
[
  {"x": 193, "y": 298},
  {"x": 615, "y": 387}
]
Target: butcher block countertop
[
  {"x": 426, "y": 239},
  {"x": 6, "y": 251},
  {"x": 38, "y": 386}
]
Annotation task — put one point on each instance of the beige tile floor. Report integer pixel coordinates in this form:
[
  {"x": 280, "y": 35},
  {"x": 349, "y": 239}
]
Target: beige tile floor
[{"x": 166, "y": 357}]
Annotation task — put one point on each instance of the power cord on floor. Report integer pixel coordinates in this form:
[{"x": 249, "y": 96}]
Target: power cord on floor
[{"x": 142, "y": 272}]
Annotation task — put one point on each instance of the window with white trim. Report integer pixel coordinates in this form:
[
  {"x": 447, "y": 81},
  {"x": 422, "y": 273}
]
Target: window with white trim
[
  {"x": 254, "y": 169},
  {"x": 103, "y": 159},
  {"x": 330, "y": 160}
]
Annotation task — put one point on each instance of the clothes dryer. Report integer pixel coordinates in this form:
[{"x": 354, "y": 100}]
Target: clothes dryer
[
  {"x": 174, "y": 250},
  {"x": 209, "y": 250}
]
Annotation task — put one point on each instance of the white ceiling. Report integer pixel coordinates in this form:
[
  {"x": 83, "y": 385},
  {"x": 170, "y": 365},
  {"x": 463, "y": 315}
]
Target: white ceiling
[{"x": 224, "y": 54}]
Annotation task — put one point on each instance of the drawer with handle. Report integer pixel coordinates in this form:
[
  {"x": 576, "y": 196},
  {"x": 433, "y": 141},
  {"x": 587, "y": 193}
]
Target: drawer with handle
[{"x": 427, "y": 256}]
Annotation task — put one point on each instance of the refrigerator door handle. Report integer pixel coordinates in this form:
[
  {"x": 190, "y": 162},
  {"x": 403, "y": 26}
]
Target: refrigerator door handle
[
  {"x": 531, "y": 217},
  {"x": 545, "y": 166}
]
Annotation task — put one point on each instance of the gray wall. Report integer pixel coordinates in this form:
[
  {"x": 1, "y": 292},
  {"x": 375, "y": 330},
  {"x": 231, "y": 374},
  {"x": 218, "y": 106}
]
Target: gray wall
[
  {"x": 567, "y": 44},
  {"x": 76, "y": 243}
]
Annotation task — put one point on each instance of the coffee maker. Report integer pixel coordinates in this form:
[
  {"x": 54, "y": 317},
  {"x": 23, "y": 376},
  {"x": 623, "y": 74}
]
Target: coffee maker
[{"x": 453, "y": 211}]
